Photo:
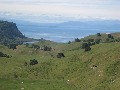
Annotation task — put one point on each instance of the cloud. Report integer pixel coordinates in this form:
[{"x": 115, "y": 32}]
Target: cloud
[{"x": 66, "y": 8}]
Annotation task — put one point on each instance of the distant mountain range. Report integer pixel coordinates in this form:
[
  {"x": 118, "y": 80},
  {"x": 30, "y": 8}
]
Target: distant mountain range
[{"x": 66, "y": 31}]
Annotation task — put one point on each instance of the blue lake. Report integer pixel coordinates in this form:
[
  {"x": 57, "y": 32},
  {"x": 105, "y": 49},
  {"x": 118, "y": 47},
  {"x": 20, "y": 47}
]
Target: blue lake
[{"x": 63, "y": 33}]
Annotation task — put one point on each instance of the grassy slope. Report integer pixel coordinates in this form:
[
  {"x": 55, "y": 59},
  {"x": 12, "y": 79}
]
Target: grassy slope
[
  {"x": 103, "y": 36},
  {"x": 52, "y": 73}
]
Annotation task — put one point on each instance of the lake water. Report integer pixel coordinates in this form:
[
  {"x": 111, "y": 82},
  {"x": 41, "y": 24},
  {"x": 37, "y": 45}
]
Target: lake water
[{"x": 61, "y": 34}]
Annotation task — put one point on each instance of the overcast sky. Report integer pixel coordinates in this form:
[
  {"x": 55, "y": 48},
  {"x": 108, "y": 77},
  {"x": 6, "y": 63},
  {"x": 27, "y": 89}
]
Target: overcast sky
[{"x": 107, "y": 9}]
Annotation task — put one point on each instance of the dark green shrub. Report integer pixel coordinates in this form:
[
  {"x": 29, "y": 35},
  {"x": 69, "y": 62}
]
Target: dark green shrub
[
  {"x": 12, "y": 46},
  {"x": 97, "y": 41},
  {"x": 109, "y": 35},
  {"x": 46, "y": 48},
  {"x": 35, "y": 46},
  {"x": 69, "y": 42},
  {"x": 84, "y": 45},
  {"x": 4, "y": 55},
  {"x": 90, "y": 40},
  {"x": 87, "y": 48},
  {"x": 33, "y": 62},
  {"x": 60, "y": 55},
  {"x": 98, "y": 34},
  {"x": 77, "y": 40},
  {"x": 26, "y": 44}
]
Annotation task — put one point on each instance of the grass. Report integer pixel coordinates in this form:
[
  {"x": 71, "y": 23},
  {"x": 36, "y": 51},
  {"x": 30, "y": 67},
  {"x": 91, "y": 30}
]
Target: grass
[{"x": 52, "y": 73}]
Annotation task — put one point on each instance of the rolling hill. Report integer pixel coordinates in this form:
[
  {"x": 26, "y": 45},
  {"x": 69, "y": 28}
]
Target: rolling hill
[
  {"x": 97, "y": 69},
  {"x": 47, "y": 65}
]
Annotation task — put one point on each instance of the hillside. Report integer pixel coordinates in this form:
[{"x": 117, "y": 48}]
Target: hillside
[
  {"x": 9, "y": 33},
  {"x": 97, "y": 69}
]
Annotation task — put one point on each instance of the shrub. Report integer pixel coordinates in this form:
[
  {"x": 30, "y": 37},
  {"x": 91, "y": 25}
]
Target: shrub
[
  {"x": 25, "y": 63},
  {"x": 35, "y": 46},
  {"x": 98, "y": 34},
  {"x": 46, "y": 48},
  {"x": 4, "y": 55},
  {"x": 26, "y": 44},
  {"x": 97, "y": 41},
  {"x": 109, "y": 35},
  {"x": 90, "y": 40},
  {"x": 77, "y": 40},
  {"x": 33, "y": 62},
  {"x": 69, "y": 42},
  {"x": 86, "y": 46},
  {"x": 60, "y": 55},
  {"x": 12, "y": 46}
]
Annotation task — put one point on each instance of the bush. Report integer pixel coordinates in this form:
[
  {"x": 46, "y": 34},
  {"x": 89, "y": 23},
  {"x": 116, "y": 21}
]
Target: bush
[
  {"x": 46, "y": 48},
  {"x": 12, "y": 46},
  {"x": 33, "y": 62},
  {"x": 35, "y": 46},
  {"x": 90, "y": 40},
  {"x": 77, "y": 40},
  {"x": 69, "y": 42},
  {"x": 97, "y": 41},
  {"x": 98, "y": 34},
  {"x": 26, "y": 44},
  {"x": 4, "y": 55},
  {"x": 86, "y": 46},
  {"x": 110, "y": 36},
  {"x": 60, "y": 55}
]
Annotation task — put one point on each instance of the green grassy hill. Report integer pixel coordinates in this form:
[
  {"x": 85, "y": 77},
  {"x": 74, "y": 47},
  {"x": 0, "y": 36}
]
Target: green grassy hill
[{"x": 97, "y": 69}]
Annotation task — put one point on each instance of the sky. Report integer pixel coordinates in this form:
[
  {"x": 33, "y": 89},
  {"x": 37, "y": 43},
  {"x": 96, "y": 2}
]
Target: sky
[{"x": 59, "y": 10}]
